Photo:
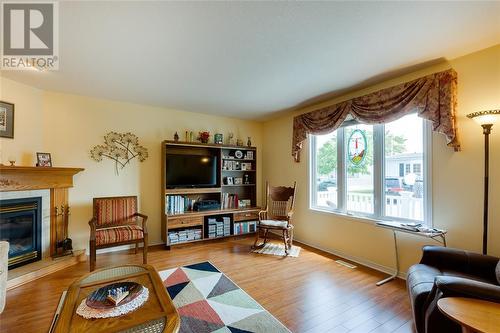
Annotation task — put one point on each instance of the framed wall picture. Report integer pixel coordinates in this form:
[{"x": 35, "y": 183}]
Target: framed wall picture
[
  {"x": 6, "y": 120},
  {"x": 43, "y": 160}
]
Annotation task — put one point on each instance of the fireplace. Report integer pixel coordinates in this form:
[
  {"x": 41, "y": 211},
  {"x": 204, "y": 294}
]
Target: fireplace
[{"x": 21, "y": 226}]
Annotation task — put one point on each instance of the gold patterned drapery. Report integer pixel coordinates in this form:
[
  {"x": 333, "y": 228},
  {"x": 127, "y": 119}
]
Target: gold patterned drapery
[{"x": 433, "y": 97}]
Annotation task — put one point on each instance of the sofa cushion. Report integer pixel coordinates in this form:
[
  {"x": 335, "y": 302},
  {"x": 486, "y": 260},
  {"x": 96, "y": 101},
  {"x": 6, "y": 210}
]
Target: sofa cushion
[
  {"x": 118, "y": 234},
  {"x": 498, "y": 272},
  {"x": 454, "y": 273}
]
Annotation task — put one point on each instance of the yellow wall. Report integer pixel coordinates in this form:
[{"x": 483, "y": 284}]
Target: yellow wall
[
  {"x": 67, "y": 126},
  {"x": 457, "y": 177}
]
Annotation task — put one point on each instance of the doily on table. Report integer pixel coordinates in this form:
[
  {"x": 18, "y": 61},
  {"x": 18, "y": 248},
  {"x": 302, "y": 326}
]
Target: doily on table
[{"x": 88, "y": 313}]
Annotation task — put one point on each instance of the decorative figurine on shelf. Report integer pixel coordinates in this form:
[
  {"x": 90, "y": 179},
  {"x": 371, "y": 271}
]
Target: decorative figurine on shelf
[
  {"x": 204, "y": 136},
  {"x": 186, "y": 136},
  {"x": 239, "y": 142},
  {"x": 176, "y": 137},
  {"x": 218, "y": 138},
  {"x": 191, "y": 136},
  {"x": 249, "y": 142},
  {"x": 230, "y": 138},
  {"x": 247, "y": 179}
]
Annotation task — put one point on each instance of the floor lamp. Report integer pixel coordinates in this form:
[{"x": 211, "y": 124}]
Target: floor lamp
[{"x": 486, "y": 119}]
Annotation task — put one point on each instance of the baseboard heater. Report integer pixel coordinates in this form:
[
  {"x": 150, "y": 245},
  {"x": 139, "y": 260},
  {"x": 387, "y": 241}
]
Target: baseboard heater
[{"x": 345, "y": 263}]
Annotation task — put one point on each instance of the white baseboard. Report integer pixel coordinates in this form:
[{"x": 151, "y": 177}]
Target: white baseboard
[
  {"x": 121, "y": 248},
  {"x": 358, "y": 260}
]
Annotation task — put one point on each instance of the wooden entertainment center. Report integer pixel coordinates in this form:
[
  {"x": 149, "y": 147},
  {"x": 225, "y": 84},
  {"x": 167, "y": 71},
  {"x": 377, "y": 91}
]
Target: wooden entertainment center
[{"x": 234, "y": 189}]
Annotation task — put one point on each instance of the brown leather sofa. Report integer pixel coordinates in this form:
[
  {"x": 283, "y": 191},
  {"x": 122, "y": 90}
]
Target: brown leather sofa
[{"x": 445, "y": 272}]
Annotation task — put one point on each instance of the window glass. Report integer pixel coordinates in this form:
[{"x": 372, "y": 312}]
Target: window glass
[
  {"x": 404, "y": 145},
  {"x": 326, "y": 171},
  {"x": 359, "y": 168},
  {"x": 348, "y": 163}
]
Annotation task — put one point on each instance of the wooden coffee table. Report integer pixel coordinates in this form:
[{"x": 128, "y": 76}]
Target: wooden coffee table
[
  {"x": 474, "y": 315},
  {"x": 158, "y": 314}
]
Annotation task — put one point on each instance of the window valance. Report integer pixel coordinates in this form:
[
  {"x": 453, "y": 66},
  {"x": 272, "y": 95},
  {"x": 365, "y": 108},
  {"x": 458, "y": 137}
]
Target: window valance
[{"x": 433, "y": 97}]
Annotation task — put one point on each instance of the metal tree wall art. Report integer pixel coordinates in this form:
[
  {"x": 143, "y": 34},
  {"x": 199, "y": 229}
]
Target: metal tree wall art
[{"x": 121, "y": 148}]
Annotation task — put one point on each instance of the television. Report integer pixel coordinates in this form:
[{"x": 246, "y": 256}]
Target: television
[{"x": 193, "y": 169}]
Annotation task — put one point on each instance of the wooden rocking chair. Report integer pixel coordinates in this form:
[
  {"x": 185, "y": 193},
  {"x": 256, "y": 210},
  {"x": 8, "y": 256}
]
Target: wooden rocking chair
[{"x": 277, "y": 214}]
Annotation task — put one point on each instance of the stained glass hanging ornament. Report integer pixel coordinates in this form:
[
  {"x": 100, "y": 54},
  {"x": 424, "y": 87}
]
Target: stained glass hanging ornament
[{"x": 357, "y": 147}]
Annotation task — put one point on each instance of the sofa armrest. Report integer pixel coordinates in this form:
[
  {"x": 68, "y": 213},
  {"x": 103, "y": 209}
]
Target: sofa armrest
[
  {"x": 467, "y": 262},
  {"x": 452, "y": 286}
]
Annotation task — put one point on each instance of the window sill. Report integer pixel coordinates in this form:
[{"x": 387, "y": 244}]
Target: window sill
[{"x": 363, "y": 219}]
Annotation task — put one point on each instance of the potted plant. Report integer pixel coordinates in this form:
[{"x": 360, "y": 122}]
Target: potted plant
[{"x": 204, "y": 136}]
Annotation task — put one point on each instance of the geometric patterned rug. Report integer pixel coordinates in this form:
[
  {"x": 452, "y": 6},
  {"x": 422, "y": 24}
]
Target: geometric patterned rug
[
  {"x": 277, "y": 250},
  {"x": 208, "y": 301}
]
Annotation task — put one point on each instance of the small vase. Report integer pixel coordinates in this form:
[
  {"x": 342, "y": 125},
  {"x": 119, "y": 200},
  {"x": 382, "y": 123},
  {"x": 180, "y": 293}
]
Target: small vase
[{"x": 249, "y": 142}]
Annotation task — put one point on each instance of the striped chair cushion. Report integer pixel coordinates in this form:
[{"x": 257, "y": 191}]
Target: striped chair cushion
[
  {"x": 118, "y": 234},
  {"x": 114, "y": 210}
]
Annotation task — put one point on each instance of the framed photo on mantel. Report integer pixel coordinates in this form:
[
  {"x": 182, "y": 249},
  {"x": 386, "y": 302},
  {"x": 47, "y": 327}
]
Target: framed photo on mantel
[
  {"x": 6, "y": 120},
  {"x": 43, "y": 160}
]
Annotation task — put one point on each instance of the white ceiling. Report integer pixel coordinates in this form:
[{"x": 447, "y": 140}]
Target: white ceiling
[{"x": 252, "y": 59}]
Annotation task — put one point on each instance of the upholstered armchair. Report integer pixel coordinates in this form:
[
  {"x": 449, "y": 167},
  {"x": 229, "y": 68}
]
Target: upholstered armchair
[
  {"x": 277, "y": 214},
  {"x": 445, "y": 272},
  {"x": 116, "y": 222}
]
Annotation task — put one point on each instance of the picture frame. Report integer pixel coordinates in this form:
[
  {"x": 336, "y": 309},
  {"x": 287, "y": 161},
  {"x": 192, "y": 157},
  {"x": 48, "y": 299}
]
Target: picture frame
[
  {"x": 43, "y": 160},
  {"x": 246, "y": 166},
  {"x": 229, "y": 180},
  {"x": 238, "y": 181},
  {"x": 218, "y": 138},
  {"x": 243, "y": 203},
  {"x": 6, "y": 120}
]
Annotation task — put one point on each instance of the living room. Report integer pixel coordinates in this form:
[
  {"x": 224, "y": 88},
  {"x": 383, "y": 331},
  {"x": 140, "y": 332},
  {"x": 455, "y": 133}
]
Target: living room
[{"x": 365, "y": 135}]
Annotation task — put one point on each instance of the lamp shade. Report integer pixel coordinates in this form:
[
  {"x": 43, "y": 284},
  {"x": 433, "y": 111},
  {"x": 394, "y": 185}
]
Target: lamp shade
[{"x": 485, "y": 117}]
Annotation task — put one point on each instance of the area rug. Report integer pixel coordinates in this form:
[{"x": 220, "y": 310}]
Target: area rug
[
  {"x": 278, "y": 250},
  {"x": 208, "y": 301}
]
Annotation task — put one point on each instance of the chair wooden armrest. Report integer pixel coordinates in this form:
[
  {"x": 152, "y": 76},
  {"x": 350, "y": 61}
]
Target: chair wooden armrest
[
  {"x": 92, "y": 224},
  {"x": 262, "y": 215},
  {"x": 144, "y": 221},
  {"x": 289, "y": 215}
]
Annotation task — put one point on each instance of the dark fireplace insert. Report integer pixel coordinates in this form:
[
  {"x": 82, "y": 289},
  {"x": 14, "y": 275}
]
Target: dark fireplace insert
[{"x": 21, "y": 226}]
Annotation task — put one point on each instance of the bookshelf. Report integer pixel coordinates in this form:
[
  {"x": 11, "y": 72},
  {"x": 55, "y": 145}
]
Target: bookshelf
[{"x": 235, "y": 192}]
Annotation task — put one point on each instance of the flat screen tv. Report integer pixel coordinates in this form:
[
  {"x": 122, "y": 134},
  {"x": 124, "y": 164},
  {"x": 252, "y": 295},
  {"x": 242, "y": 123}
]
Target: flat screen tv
[{"x": 194, "y": 170}]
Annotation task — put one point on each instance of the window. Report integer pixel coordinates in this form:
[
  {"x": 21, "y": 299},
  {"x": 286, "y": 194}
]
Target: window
[
  {"x": 374, "y": 171},
  {"x": 417, "y": 169}
]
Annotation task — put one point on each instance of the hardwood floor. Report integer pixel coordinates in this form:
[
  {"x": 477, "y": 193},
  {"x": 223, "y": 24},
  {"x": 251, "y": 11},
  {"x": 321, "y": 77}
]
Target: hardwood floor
[{"x": 311, "y": 293}]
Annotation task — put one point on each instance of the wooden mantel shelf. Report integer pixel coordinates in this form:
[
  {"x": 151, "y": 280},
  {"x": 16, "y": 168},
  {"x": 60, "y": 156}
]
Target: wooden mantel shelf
[{"x": 19, "y": 178}]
